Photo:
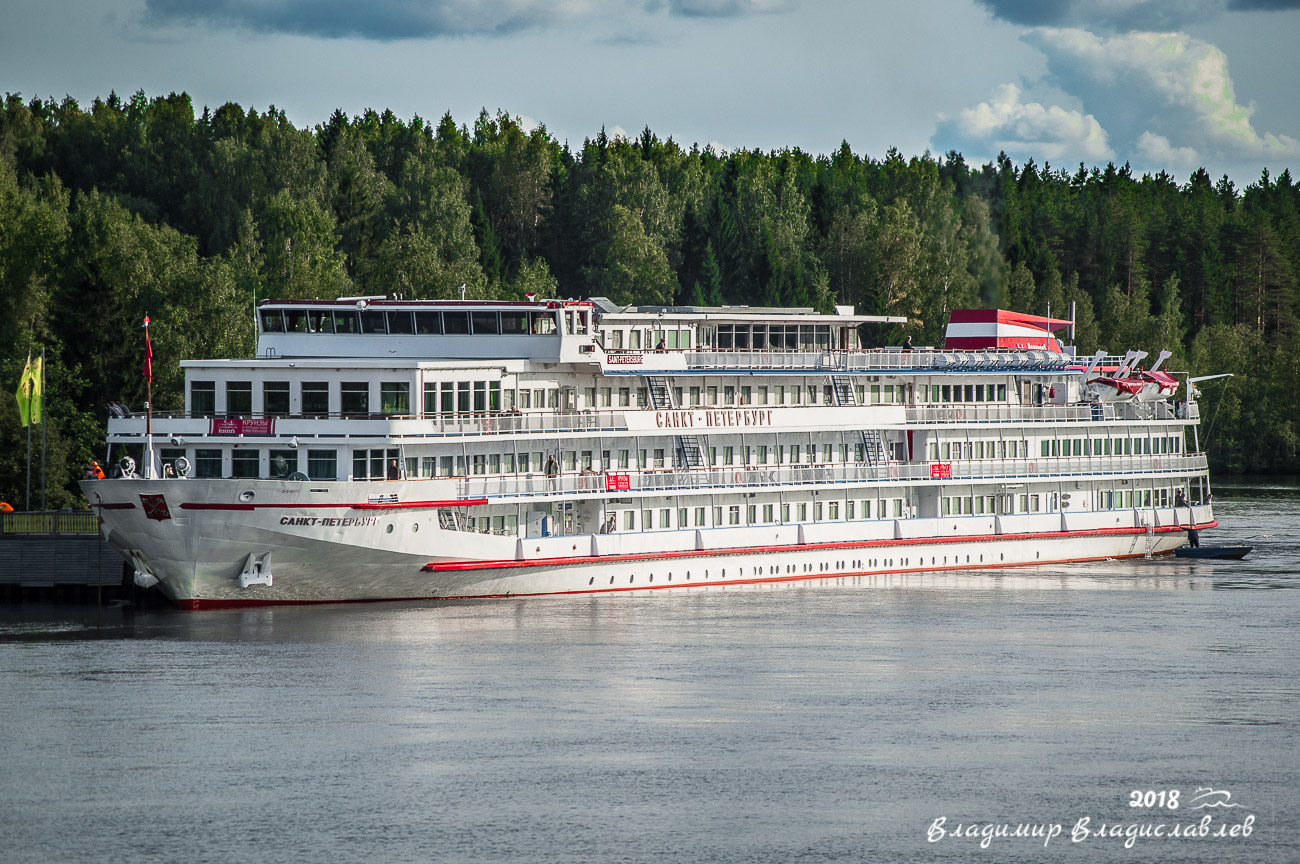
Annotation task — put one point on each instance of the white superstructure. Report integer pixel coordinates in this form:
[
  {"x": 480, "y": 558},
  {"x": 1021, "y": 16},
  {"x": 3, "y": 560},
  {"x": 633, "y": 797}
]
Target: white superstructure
[{"x": 385, "y": 449}]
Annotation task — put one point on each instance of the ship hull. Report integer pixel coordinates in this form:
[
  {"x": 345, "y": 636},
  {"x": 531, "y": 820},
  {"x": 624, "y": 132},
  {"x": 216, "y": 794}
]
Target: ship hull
[{"x": 208, "y": 549}]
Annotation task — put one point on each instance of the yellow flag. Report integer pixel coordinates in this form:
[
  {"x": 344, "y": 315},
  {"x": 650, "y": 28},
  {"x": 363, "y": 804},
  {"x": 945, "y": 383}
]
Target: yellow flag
[
  {"x": 24, "y": 393},
  {"x": 38, "y": 380}
]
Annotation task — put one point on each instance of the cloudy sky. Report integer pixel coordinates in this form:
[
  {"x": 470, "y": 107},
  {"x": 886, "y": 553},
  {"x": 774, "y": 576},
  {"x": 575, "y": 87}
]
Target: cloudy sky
[{"x": 1167, "y": 85}]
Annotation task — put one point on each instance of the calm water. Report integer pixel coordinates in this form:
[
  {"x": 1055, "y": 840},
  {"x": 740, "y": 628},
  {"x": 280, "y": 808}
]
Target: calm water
[{"x": 823, "y": 722}]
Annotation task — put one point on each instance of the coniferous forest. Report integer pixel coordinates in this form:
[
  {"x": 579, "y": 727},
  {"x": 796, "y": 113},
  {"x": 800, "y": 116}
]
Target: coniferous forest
[{"x": 137, "y": 206}]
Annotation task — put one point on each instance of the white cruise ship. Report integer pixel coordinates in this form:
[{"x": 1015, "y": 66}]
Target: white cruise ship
[{"x": 379, "y": 449}]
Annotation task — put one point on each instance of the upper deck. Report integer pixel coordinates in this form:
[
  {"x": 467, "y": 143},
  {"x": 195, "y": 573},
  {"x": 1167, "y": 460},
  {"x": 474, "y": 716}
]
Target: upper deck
[{"x": 552, "y": 331}]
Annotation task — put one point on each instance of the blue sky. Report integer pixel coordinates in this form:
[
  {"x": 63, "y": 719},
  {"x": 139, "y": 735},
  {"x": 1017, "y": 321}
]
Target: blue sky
[{"x": 1161, "y": 85}]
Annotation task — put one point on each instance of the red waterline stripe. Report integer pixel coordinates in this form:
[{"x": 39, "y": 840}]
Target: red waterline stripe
[
  {"x": 203, "y": 605},
  {"x": 436, "y": 567},
  {"x": 303, "y": 505}
]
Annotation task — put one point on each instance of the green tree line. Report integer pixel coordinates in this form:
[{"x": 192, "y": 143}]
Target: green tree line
[{"x": 141, "y": 206}]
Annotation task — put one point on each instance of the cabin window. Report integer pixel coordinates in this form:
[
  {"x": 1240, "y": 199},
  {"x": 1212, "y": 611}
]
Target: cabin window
[
  {"x": 372, "y": 321},
  {"x": 272, "y": 321},
  {"x": 315, "y": 398},
  {"x": 455, "y": 323},
  {"x": 428, "y": 323},
  {"x": 485, "y": 323},
  {"x": 395, "y": 397},
  {"x": 801, "y": 512},
  {"x": 203, "y": 398},
  {"x": 768, "y": 512},
  {"x": 275, "y": 398},
  {"x": 207, "y": 463},
  {"x": 346, "y": 322},
  {"x": 321, "y": 320},
  {"x": 322, "y": 464},
  {"x": 239, "y": 398},
  {"x": 400, "y": 322},
  {"x": 543, "y": 323},
  {"x": 514, "y": 323},
  {"x": 244, "y": 463},
  {"x": 297, "y": 320},
  {"x": 282, "y": 463},
  {"x": 729, "y": 395},
  {"x": 616, "y": 340},
  {"x": 354, "y": 398}
]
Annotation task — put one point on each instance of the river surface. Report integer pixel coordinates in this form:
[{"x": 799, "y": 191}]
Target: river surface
[{"x": 855, "y": 720}]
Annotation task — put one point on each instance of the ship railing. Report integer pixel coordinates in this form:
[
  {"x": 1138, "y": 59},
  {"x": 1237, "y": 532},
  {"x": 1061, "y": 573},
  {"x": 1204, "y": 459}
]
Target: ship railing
[
  {"x": 775, "y": 476},
  {"x": 879, "y": 360},
  {"x": 999, "y": 413},
  {"x": 370, "y": 425}
]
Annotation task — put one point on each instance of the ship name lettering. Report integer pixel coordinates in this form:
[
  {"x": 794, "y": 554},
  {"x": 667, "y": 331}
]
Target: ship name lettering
[
  {"x": 748, "y": 417},
  {"x": 330, "y": 521},
  {"x": 675, "y": 419}
]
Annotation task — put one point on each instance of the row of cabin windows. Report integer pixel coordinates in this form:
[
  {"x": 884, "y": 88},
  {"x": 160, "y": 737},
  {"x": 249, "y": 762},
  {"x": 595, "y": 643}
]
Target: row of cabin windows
[
  {"x": 644, "y": 459},
  {"x": 448, "y": 397},
  {"x": 421, "y": 323},
  {"x": 941, "y": 393},
  {"x": 253, "y": 463},
  {"x": 998, "y": 449},
  {"x": 726, "y": 516},
  {"x": 1154, "y": 446},
  {"x": 644, "y": 339}
]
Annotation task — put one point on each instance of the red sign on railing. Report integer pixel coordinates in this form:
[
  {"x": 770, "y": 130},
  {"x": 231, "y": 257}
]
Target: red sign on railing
[
  {"x": 940, "y": 470},
  {"x": 241, "y": 426},
  {"x": 618, "y": 482}
]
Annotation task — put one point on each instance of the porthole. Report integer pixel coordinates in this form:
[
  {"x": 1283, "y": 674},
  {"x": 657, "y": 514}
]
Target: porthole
[
  {"x": 1002, "y": 556},
  {"x": 611, "y": 580},
  {"x": 246, "y": 495},
  {"x": 591, "y": 580},
  {"x": 389, "y": 528},
  {"x": 670, "y": 577},
  {"x": 415, "y": 526},
  {"x": 630, "y": 578},
  {"x": 652, "y": 577}
]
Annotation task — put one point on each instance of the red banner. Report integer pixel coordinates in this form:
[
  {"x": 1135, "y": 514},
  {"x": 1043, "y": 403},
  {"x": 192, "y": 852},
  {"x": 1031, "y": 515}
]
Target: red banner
[
  {"x": 241, "y": 426},
  {"x": 940, "y": 470},
  {"x": 618, "y": 482}
]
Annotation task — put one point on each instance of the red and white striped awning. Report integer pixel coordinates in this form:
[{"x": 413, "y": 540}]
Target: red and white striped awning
[{"x": 970, "y": 329}]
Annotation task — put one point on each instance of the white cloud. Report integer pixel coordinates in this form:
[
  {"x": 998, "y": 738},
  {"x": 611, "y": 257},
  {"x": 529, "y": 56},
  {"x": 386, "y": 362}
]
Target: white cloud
[
  {"x": 1157, "y": 153},
  {"x": 1027, "y": 130},
  {"x": 1169, "y": 84}
]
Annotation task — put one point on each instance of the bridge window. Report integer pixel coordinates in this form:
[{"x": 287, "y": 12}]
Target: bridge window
[
  {"x": 272, "y": 321},
  {"x": 372, "y": 321},
  {"x": 400, "y": 322},
  {"x": 297, "y": 320},
  {"x": 485, "y": 323},
  {"x": 346, "y": 322},
  {"x": 455, "y": 323},
  {"x": 428, "y": 323},
  {"x": 320, "y": 320}
]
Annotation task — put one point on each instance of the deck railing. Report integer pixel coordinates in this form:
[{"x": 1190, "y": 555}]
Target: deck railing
[{"x": 760, "y": 479}]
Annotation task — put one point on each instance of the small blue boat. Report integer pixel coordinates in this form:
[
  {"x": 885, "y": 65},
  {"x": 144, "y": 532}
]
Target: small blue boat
[{"x": 1226, "y": 553}]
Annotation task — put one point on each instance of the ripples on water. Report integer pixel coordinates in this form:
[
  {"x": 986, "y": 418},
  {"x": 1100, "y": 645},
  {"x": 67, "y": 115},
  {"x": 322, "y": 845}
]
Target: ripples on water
[{"x": 829, "y": 721}]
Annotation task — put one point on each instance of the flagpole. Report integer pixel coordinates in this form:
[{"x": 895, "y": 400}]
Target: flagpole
[
  {"x": 29, "y": 446},
  {"x": 148, "y": 402},
  {"x": 44, "y": 437}
]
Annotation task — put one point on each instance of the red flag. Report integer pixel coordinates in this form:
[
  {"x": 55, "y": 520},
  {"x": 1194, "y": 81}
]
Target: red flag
[{"x": 148, "y": 352}]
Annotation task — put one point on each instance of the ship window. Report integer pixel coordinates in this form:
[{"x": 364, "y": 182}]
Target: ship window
[
  {"x": 455, "y": 323},
  {"x": 282, "y": 463},
  {"x": 801, "y": 512},
  {"x": 428, "y": 323},
  {"x": 239, "y": 398},
  {"x": 346, "y": 322},
  {"x": 480, "y": 396},
  {"x": 207, "y": 463},
  {"x": 203, "y": 398},
  {"x": 485, "y": 323},
  {"x": 297, "y": 321},
  {"x": 395, "y": 397},
  {"x": 322, "y": 464},
  {"x": 322, "y": 320},
  {"x": 462, "y": 397},
  {"x": 726, "y": 337},
  {"x": 275, "y": 398},
  {"x": 355, "y": 398},
  {"x": 272, "y": 321},
  {"x": 400, "y": 322},
  {"x": 514, "y": 323},
  {"x": 315, "y": 398},
  {"x": 372, "y": 321},
  {"x": 244, "y": 463}
]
